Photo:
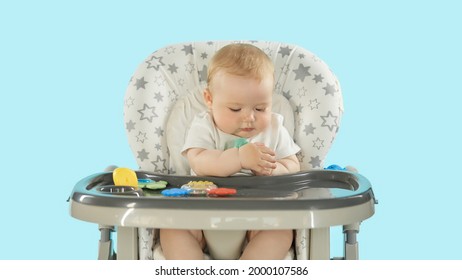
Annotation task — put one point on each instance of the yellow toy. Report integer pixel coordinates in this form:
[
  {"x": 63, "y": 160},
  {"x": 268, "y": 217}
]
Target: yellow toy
[{"x": 125, "y": 177}]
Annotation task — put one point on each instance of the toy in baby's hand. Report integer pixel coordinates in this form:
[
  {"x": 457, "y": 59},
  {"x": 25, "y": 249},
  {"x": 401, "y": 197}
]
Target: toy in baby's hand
[
  {"x": 124, "y": 177},
  {"x": 240, "y": 142}
]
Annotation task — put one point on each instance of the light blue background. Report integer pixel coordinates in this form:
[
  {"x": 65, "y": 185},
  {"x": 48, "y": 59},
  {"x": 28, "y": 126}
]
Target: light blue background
[{"x": 65, "y": 66}]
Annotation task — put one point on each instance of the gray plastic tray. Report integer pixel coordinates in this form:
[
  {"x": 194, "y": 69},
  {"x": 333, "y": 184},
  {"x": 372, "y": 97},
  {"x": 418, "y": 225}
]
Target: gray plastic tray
[{"x": 308, "y": 190}]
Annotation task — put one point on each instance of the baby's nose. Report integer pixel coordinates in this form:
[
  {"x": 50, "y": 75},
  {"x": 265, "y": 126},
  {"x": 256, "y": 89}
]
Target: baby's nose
[{"x": 249, "y": 116}]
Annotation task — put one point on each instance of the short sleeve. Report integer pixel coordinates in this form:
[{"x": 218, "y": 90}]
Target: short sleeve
[
  {"x": 199, "y": 135},
  {"x": 285, "y": 145}
]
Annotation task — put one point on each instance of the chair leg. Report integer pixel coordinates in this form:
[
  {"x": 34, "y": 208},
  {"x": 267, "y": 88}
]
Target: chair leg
[
  {"x": 351, "y": 243},
  {"x": 105, "y": 250},
  {"x": 302, "y": 244},
  {"x": 320, "y": 244},
  {"x": 127, "y": 243}
]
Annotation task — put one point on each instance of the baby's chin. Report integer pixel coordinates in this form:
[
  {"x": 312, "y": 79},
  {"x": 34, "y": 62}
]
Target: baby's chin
[{"x": 246, "y": 133}]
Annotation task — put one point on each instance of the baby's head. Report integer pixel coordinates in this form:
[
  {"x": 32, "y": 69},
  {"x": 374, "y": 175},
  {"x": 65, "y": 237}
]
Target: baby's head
[
  {"x": 239, "y": 89},
  {"x": 242, "y": 60}
]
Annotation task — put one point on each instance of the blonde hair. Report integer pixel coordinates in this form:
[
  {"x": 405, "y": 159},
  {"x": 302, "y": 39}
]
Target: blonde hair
[{"x": 240, "y": 60}]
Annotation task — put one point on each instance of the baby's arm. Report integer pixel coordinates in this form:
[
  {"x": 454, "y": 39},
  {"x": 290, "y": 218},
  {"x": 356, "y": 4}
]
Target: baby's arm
[
  {"x": 255, "y": 157},
  {"x": 214, "y": 162},
  {"x": 287, "y": 165}
]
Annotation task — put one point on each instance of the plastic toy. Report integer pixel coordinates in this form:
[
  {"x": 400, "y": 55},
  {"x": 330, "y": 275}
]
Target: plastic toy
[
  {"x": 335, "y": 167},
  {"x": 240, "y": 142},
  {"x": 175, "y": 192},
  {"x": 125, "y": 177},
  {"x": 152, "y": 185},
  {"x": 339, "y": 168},
  {"x": 199, "y": 187},
  {"x": 222, "y": 192}
]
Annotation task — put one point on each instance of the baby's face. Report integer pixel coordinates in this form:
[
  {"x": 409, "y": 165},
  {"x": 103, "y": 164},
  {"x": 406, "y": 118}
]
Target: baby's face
[{"x": 240, "y": 106}]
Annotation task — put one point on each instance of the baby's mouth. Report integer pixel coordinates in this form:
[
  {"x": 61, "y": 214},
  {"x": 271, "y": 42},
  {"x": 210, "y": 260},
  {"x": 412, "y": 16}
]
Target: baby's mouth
[{"x": 248, "y": 129}]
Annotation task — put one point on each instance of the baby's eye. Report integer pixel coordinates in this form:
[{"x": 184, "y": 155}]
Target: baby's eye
[
  {"x": 235, "y": 109},
  {"x": 263, "y": 109}
]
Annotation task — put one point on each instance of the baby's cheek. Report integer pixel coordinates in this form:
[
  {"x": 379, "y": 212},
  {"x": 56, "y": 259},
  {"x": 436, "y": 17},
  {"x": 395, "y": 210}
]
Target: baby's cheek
[{"x": 267, "y": 120}]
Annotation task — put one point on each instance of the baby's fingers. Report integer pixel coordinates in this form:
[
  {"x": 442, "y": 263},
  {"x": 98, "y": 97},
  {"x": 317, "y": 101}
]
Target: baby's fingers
[
  {"x": 267, "y": 164},
  {"x": 264, "y": 149},
  {"x": 268, "y": 158}
]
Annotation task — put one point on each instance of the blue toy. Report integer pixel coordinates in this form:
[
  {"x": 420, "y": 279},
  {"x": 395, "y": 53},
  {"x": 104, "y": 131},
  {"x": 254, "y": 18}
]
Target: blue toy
[
  {"x": 175, "y": 192},
  {"x": 335, "y": 167}
]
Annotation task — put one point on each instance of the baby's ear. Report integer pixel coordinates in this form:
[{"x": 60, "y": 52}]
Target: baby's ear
[{"x": 208, "y": 98}]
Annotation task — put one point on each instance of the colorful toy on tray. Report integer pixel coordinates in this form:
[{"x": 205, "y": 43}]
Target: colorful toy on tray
[{"x": 199, "y": 188}]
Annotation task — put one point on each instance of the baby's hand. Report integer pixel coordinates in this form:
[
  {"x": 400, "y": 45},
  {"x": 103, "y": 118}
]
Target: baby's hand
[{"x": 258, "y": 158}]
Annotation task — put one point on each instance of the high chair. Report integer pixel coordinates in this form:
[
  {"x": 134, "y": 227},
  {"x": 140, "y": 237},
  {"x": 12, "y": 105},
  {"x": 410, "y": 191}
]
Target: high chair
[{"x": 162, "y": 97}]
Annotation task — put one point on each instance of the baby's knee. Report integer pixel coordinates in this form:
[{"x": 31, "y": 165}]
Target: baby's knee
[
  {"x": 181, "y": 234},
  {"x": 286, "y": 235}
]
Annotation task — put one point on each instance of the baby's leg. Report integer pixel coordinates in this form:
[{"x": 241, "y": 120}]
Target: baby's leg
[
  {"x": 182, "y": 244},
  {"x": 268, "y": 244}
]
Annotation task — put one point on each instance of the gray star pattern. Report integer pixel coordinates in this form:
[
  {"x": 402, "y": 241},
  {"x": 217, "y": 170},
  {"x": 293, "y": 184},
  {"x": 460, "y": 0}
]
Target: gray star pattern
[
  {"x": 140, "y": 83},
  {"x": 300, "y": 156},
  {"x": 314, "y": 104},
  {"x": 329, "y": 121},
  {"x": 159, "y": 131},
  {"x": 158, "y": 96},
  {"x": 160, "y": 165},
  {"x": 172, "y": 68},
  {"x": 188, "y": 49},
  {"x": 330, "y": 89},
  {"x": 309, "y": 129},
  {"x": 155, "y": 62},
  {"x": 299, "y": 109},
  {"x": 302, "y": 92},
  {"x": 172, "y": 95},
  {"x": 285, "y": 51},
  {"x": 318, "y": 143},
  {"x": 303, "y": 242},
  {"x": 142, "y": 155},
  {"x": 130, "y": 126},
  {"x": 130, "y": 101},
  {"x": 190, "y": 67},
  {"x": 286, "y": 94},
  {"x": 315, "y": 161},
  {"x": 141, "y": 137},
  {"x": 148, "y": 113},
  {"x": 302, "y": 72},
  {"x": 169, "y": 50},
  {"x": 159, "y": 80},
  {"x": 145, "y": 244},
  {"x": 318, "y": 78},
  {"x": 203, "y": 74},
  {"x": 285, "y": 69}
]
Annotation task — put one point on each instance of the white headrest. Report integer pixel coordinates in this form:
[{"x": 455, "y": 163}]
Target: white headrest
[{"x": 166, "y": 92}]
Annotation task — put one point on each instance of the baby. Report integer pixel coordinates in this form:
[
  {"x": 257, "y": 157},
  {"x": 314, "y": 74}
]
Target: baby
[{"x": 239, "y": 99}]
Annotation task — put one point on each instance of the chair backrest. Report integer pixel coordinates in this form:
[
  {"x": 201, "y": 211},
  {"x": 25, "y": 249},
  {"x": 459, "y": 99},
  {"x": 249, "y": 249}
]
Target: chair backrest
[{"x": 165, "y": 93}]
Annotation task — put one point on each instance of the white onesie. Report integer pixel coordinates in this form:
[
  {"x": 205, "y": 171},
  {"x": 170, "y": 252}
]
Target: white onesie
[{"x": 204, "y": 134}]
